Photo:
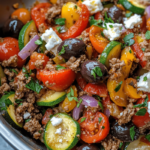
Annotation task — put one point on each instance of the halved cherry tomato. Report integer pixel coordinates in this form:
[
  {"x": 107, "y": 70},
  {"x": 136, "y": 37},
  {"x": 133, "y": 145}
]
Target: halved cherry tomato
[
  {"x": 22, "y": 14},
  {"x": 81, "y": 81},
  {"x": 140, "y": 121},
  {"x": 35, "y": 57},
  {"x": 46, "y": 116},
  {"x": 38, "y": 14},
  {"x": 96, "y": 89},
  {"x": 106, "y": 101},
  {"x": 97, "y": 40},
  {"x": 96, "y": 129},
  {"x": 9, "y": 47},
  {"x": 58, "y": 80},
  {"x": 98, "y": 16},
  {"x": 139, "y": 53},
  {"x": 78, "y": 27},
  {"x": 143, "y": 25}
]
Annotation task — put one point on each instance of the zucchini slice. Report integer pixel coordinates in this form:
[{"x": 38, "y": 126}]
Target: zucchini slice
[
  {"x": 1, "y": 74},
  {"x": 24, "y": 36},
  {"x": 51, "y": 98},
  {"x": 69, "y": 136},
  {"x": 133, "y": 6},
  {"x": 112, "y": 50},
  {"x": 10, "y": 114}
]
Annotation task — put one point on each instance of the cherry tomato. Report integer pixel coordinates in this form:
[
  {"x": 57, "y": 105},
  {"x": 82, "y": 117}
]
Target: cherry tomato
[
  {"x": 143, "y": 139},
  {"x": 9, "y": 47},
  {"x": 143, "y": 24},
  {"x": 106, "y": 101},
  {"x": 46, "y": 116},
  {"x": 81, "y": 81},
  {"x": 96, "y": 89},
  {"x": 140, "y": 121},
  {"x": 97, "y": 40},
  {"x": 78, "y": 27},
  {"x": 58, "y": 80},
  {"x": 35, "y": 57},
  {"x": 98, "y": 16},
  {"x": 148, "y": 24},
  {"x": 22, "y": 14},
  {"x": 38, "y": 14},
  {"x": 94, "y": 130}
]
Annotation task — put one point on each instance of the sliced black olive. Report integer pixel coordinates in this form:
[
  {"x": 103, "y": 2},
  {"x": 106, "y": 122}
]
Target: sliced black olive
[
  {"x": 12, "y": 28},
  {"x": 87, "y": 147},
  {"x": 73, "y": 47},
  {"x": 94, "y": 71},
  {"x": 122, "y": 132},
  {"x": 115, "y": 14}
]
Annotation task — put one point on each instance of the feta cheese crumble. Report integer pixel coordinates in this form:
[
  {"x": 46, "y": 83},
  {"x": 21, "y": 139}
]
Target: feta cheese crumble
[
  {"x": 56, "y": 121},
  {"x": 51, "y": 39},
  {"x": 58, "y": 131},
  {"x": 93, "y": 6},
  {"x": 113, "y": 31},
  {"x": 134, "y": 20},
  {"x": 60, "y": 141},
  {"x": 144, "y": 85},
  {"x": 148, "y": 110},
  {"x": 26, "y": 115}
]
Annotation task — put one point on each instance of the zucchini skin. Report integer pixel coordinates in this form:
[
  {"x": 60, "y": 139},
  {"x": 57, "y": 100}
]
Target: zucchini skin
[{"x": 131, "y": 7}]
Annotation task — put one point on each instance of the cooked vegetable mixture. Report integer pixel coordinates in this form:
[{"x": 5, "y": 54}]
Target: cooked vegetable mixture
[{"x": 76, "y": 74}]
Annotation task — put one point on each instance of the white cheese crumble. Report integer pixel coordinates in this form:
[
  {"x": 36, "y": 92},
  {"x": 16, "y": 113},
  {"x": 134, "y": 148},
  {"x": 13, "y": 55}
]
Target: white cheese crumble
[
  {"x": 26, "y": 115},
  {"x": 56, "y": 121},
  {"x": 113, "y": 31},
  {"x": 58, "y": 131},
  {"x": 93, "y": 6},
  {"x": 144, "y": 85},
  {"x": 134, "y": 20},
  {"x": 60, "y": 140},
  {"x": 148, "y": 110},
  {"x": 51, "y": 39}
]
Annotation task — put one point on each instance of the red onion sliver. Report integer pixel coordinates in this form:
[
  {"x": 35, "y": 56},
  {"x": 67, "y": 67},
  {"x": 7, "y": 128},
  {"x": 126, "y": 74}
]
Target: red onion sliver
[
  {"x": 123, "y": 29},
  {"x": 107, "y": 112},
  {"x": 147, "y": 12},
  {"x": 29, "y": 48},
  {"x": 77, "y": 111}
]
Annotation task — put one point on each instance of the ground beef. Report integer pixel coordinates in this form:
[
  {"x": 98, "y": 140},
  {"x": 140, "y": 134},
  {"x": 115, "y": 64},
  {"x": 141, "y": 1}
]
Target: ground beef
[
  {"x": 116, "y": 67},
  {"x": 134, "y": 66},
  {"x": 39, "y": 95},
  {"x": 11, "y": 62},
  {"x": 74, "y": 63},
  {"x": 144, "y": 2},
  {"x": 50, "y": 66},
  {"x": 110, "y": 143},
  {"x": 3, "y": 80},
  {"x": 81, "y": 93},
  {"x": 11, "y": 74},
  {"x": 144, "y": 128},
  {"x": 41, "y": 28},
  {"x": 31, "y": 98},
  {"x": 103, "y": 11},
  {"x": 85, "y": 37},
  {"x": 126, "y": 115},
  {"x": 39, "y": 64},
  {"x": 4, "y": 88},
  {"x": 33, "y": 126},
  {"x": 32, "y": 34}
]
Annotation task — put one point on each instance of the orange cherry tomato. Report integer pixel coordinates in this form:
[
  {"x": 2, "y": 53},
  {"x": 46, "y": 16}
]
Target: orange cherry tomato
[
  {"x": 22, "y": 14},
  {"x": 9, "y": 47},
  {"x": 94, "y": 130},
  {"x": 148, "y": 24},
  {"x": 35, "y": 57},
  {"x": 97, "y": 40},
  {"x": 46, "y": 116},
  {"x": 78, "y": 27},
  {"x": 58, "y": 80},
  {"x": 38, "y": 14}
]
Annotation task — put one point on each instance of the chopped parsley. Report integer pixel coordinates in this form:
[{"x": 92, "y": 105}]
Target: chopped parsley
[
  {"x": 130, "y": 51},
  {"x": 60, "y": 21},
  {"x": 99, "y": 119},
  {"x": 8, "y": 102},
  {"x": 71, "y": 96},
  {"x": 147, "y": 35},
  {"x": 111, "y": 26},
  {"x": 27, "y": 120},
  {"x": 120, "y": 145},
  {"x": 148, "y": 137},
  {"x": 129, "y": 14},
  {"x": 141, "y": 112},
  {"x": 118, "y": 87},
  {"x": 128, "y": 39},
  {"x": 13, "y": 70},
  {"x": 75, "y": 6},
  {"x": 145, "y": 78},
  {"x": 59, "y": 67},
  {"x": 62, "y": 50},
  {"x": 101, "y": 106},
  {"x": 38, "y": 42},
  {"x": 58, "y": 29},
  {"x": 79, "y": 103},
  {"x": 103, "y": 127},
  {"x": 96, "y": 71},
  {"x": 132, "y": 133},
  {"x": 82, "y": 119},
  {"x": 18, "y": 101},
  {"x": 143, "y": 49}
]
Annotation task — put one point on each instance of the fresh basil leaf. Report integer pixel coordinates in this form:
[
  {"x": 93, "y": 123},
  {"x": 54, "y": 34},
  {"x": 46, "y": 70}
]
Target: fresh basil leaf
[
  {"x": 34, "y": 86},
  {"x": 129, "y": 14},
  {"x": 18, "y": 101},
  {"x": 111, "y": 26},
  {"x": 60, "y": 21},
  {"x": 108, "y": 19},
  {"x": 78, "y": 105},
  {"x": 130, "y": 51},
  {"x": 27, "y": 120},
  {"x": 101, "y": 106},
  {"x": 96, "y": 71},
  {"x": 71, "y": 91},
  {"x": 59, "y": 67},
  {"x": 8, "y": 102},
  {"x": 148, "y": 137},
  {"x": 99, "y": 119},
  {"x": 93, "y": 74},
  {"x": 128, "y": 37},
  {"x": 82, "y": 119},
  {"x": 120, "y": 145},
  {"x": 118, "y": 87},
  {"x": 141, "y": 112},
  {"x": 13, "y": 70},
  {"x": 142, "y": 105},
  {"x": 70, "y": 95},
  {"x": 147, "y": 35},
  {"x": 58, "y": 29},
  {"x": 145, "y": 78},
  {"x": 38, "y": 42},
  {"x": 131, "y": 42},
  {"x": 137, "y": 77},
  {"x": 132, "y": 133}
]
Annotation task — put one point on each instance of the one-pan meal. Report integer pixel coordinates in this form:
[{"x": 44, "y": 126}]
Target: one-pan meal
[{"x": 76, "y": 75}]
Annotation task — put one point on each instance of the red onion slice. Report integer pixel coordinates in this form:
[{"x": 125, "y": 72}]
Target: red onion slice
[
  {"x": 107, "y": 112},
  {"x": 77, "y": 111},
  {"x": 147, "y": 12},
  {"x": 29, "y": 48},
  {"x": 123, "y": 29}
]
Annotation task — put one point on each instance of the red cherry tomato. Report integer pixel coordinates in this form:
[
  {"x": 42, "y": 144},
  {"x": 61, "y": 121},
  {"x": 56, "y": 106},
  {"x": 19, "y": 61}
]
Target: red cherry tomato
[
  {"x": 38, "y": 14},
  {"x": 96, "y": 129},
  {"x": 46, "y": 116},
  {"x": 81, "y": 81},
  {"x": 35, "y": 57},
  {"x": 98, "y": 16},
  {"x": 143, "y": 139},
  {"x": 9, "y": 47},
  {"x": 58, "y": 80}
]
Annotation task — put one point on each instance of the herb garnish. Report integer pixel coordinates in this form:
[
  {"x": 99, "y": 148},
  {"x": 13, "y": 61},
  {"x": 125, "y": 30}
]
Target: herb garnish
[
  {"x": 99, "y": 119},
  {"x": 60, "y": 21},
  {"x": 118, "y": 87},
  {"x": 79, "y": 103},
  {"x": 148, "y": 137},
  {"x": 82, "y": 119},
  {"x": 62, "y": 50},
  {"x": 120, "y": 145},
  {"x": 96, "y": 71},
  {"x": 147, "y": 35},
  {"x": 27, "y": 120},
  {"x": 129, "y": 14},
  {"x": 38, "y": 42},
  {"x": 13, "y": 70},
  {"x": 132, "y": 133},
  {"x": 141, "y": 112},
  {"x": 143, "y": 49},
  {"x": 101, "y": 106},
  {"x": 71, "y": 96},
  {"x": 18, "y": 101},
  {"x": 128, "y": 39},
  {"x": 58, "y": 29},
  {"x": 145, "y": 78},
  {"x": 59, "y": 67}
]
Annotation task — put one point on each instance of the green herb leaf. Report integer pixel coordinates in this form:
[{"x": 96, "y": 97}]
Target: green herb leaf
[
  {"x": 27, "y": 120},
  {"x": 103, "y": 127},
  {"x": 62, "y": 50},
  {"x": 60, "y": 21},
  {"x": 70, "y": 95},
  {"x": 39, "y": 131},
  {"x": 129, "y": 14},
  {"x": 137, "y": 77},
  {"x": 118, "y": 87},
  {"x": 145, "y": 78},
  {"x": 142, "y": 105},
  {"x": 99, "y": 119},
  {"x": 51, "y": 116},
  {"x": 96, "y": 71},
  {"x": 148, "y": 137},
  {"x": 147, "y": 35},
  {"x": 111, "y": 26},
  {"x": 102, "y": 34},
  {"x": 141, "y": 112},
  {"x": 34, "y": 86},
  {"x": 98, "y": 98},
  {"x": 132, "y": 133},
  {"x": 108, "y": 19},
  {"x": 38, "y": 42},
  {"x": 128, "y": 39},
  {"x": 79, "y": 103},
  {"x": 143, "y": 49},
  {"x": 101, "y": 106},
  {"x": 24, "y": 70},
  {"x": 13, "y": 70},
  {"x": 130, "y": 51},
  {"x": 82, "y": 119},
  {"x": 58, "y": 29},
  {"x": 75, "y": 6},
  {"x": 80, "y": 38},
  {"x": 93, "y": 74},
  {"x": 131, "y": 42},
  {"x": 8, "y": 102},
  {"x": 43, "y": 110},
  {"x": 120, "y": 145},
  {"x": 18, "y": 101},
  {"x": 59, "y": 67}
]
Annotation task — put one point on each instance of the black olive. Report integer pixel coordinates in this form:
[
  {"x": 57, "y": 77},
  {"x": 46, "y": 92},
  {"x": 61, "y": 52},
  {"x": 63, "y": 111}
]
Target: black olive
[
  {"x": 115, "y": 14},
  {"x": 87, "y": 147},
  {"x": 122, "y": 132},
  {"x": 73, "y": 47},
  {"x": 90, "y": 66},
  {"x": 12, "y": 28}
]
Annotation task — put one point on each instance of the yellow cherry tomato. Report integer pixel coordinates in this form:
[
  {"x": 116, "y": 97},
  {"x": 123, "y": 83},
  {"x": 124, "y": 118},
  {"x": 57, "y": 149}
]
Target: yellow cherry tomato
[
  {"x": 53, "y": 1},
  {"x": 71, "y": 12}
]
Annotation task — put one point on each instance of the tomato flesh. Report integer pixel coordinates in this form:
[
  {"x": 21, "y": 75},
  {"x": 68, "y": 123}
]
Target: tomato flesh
[{"x": 46, "y": 116}]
